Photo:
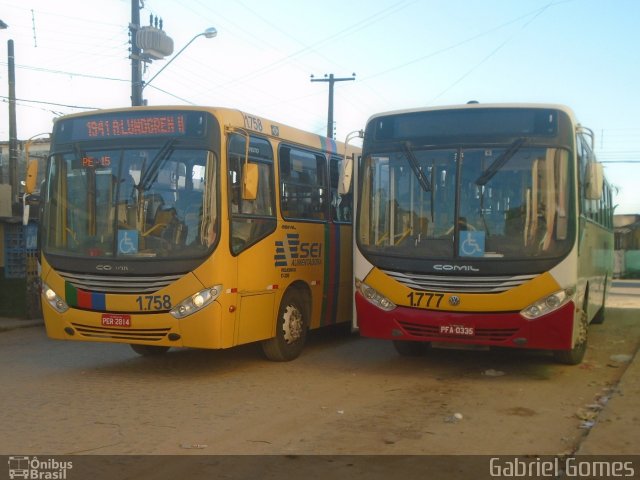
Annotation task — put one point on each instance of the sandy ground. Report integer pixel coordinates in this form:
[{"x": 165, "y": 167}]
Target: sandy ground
[{"x": 344, "y": 396}]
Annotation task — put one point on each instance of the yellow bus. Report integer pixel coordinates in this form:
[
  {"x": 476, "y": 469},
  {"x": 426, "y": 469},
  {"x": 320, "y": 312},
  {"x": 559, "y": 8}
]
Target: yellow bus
[
  {"x": 193, "y": 227},
  {"x": 482, "y": 225}
]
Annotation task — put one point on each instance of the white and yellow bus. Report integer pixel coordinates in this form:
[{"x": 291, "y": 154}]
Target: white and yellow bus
[
  {"x": 193, "y": 227},
  {"x": 484, "y": 225}
]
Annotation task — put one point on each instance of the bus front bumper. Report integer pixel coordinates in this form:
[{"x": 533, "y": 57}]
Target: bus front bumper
[
  {"x": 200, "y": 330},
  {"x": 505, "y": 329}
]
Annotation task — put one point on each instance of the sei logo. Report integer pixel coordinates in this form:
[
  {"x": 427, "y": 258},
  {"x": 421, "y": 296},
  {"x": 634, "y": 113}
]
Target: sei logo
[{"x": 291, "y": 252}]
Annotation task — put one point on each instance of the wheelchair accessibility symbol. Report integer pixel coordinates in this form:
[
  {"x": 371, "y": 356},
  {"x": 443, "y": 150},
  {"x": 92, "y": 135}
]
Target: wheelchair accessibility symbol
[
  {"x": 471, "y": 244},
  {"x": 127, "y": 242}
]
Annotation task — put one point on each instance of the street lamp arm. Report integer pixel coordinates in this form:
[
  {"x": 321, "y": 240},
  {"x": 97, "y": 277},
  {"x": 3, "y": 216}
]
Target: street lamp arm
[
  {"x": 354, "y": 134},
  {"x": 209, "y": 33}
]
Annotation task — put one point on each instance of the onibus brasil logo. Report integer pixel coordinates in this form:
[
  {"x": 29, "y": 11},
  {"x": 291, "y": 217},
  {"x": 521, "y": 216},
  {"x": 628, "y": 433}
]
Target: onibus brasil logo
[{"x": 37, "y": 469}]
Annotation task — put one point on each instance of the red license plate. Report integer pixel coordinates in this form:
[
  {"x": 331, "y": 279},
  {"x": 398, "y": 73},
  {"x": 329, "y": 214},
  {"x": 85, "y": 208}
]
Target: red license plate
[
  {"x": 116, "y": 320},
  {"x": 457, "y": 330}
]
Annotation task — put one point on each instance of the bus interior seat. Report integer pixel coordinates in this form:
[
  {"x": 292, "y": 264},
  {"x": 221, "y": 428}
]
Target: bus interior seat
[
  {"x": 170, "y": 227},
  {"x": 189, "y": 208},
  {"x": 153, "y": 203}
]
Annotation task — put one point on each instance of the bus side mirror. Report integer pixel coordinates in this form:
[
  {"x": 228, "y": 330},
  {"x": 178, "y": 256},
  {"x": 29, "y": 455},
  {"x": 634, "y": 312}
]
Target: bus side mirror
[
  {"x": 250, "y": 180},
  {"x": 344, "y": 186},
  {"x": 594, "y": 181},
  {"x": 32, "y": 176}
]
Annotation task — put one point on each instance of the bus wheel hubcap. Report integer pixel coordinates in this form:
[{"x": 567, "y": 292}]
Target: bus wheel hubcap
[{"x": 292, "y": 325}]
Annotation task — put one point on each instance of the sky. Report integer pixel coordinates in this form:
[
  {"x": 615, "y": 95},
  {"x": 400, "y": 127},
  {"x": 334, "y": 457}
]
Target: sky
[{"x": 73, "y": 55}]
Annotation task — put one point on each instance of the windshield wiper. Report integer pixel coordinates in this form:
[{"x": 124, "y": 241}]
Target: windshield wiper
[
  {"x": 151, "y": 173},
  {"x": 413, "y": 162},
  {"x": 501, "y": 161}
]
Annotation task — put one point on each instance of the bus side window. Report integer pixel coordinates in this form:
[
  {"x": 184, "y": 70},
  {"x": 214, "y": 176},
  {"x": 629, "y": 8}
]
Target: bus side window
[{"x": 302, "y": 183}]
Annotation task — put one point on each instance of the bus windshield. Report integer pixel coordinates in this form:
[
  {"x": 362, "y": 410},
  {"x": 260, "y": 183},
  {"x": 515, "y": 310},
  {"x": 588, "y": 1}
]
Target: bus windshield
[
  {"x": 130, "y": 203},
  {"x": 508, "y": 201}
]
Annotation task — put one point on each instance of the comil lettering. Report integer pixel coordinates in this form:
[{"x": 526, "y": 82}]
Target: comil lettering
[{"x": 455, "y": 268}]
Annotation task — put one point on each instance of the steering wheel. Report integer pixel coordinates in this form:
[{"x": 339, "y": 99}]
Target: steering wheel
[{"x": 465, "y": 224}]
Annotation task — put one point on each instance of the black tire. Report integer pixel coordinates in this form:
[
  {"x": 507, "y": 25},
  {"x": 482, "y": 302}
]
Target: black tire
[
  {"x": 598, "y": 318},
  {"x": 408, "y": 348},
  {"x": 573, "y": 356},
  {"x": 576, "y": 354},
  {"x": 291, "y": 328},
  {"x": 148, "y": 350}
]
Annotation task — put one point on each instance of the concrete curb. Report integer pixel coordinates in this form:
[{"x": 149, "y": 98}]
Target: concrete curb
[{"x": 617, "y": 427}]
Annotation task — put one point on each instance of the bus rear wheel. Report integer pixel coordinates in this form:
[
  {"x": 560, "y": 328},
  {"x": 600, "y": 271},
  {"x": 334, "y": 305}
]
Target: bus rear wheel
[
  {"x": 148, "y": 350},
  {"x": 291, "y": 329},
  {"x": 599, "y": 316}
]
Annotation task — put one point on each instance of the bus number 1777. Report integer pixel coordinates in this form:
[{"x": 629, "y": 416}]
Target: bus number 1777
[{"x": 425, "y": 299}]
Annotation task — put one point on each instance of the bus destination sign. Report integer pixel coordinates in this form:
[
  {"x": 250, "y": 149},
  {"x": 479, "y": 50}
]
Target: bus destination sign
[
  {"x": 172, "y": 125},
  {"x": 139, "y": 124}
]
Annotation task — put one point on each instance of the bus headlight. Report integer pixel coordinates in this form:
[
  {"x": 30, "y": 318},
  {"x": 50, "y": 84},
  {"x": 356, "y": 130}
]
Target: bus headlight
[
  {"x": 196, "y": 302},
  {"x": 374, "y": 297},
  {"x": 54, "y": 299},
  {"x": 548, "y": 304}
]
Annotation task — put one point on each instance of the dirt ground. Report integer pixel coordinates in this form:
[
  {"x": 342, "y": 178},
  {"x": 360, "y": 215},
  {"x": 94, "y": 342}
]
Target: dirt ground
[{"x": 345, "y": 397}]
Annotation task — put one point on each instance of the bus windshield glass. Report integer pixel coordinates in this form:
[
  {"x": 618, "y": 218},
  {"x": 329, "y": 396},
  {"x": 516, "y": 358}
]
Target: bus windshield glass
[
  {"x": 509, "y": 201},
  {"x": 128, "y": 203}
]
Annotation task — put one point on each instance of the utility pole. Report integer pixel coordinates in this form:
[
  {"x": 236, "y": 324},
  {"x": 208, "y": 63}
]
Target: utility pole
[
  {"x": 136, "y": 64},
  {"x": 331, "y": 79},
  {"x": 13, "y": 135},
  {"x": 2, "y": 27}
]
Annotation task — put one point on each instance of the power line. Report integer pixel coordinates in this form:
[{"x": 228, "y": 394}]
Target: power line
[
  {"x": 49, "y": 103},
  {"x": 73, "y": 74},
  {"x": 492, "y": 53}
]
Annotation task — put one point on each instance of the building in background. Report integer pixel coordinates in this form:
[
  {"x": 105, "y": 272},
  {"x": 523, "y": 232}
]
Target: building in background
[
  {"x": 627, "y": 246},
  {"x": 18, "y": 243}
]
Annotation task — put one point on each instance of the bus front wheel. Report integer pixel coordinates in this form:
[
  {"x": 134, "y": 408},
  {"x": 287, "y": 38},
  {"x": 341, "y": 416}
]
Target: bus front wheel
[
  {"x": 576, "y": 354},
  {"x": 573, "y": 356},
  {"x": 148, "y": 350},
  {"x": 410, "y": 348},
  {"x": 291, "y": 329}
]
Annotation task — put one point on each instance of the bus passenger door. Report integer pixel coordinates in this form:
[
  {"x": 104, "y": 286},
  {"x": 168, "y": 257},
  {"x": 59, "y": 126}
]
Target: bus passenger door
[{"x": 252, "y": 222}]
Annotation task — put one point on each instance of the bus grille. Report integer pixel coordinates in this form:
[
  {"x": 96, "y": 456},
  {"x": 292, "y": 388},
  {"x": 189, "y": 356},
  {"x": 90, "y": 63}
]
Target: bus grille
[
  {"x": 148, "y": 334},
  {"x": 433, "y": 331},
  {"x": 459, "y": 284},
  {"x": 123, "y": 285}
]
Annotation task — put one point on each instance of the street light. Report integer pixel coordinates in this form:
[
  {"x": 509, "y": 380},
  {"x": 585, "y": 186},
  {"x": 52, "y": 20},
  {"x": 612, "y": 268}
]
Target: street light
[{"x": 208, "y": 33}]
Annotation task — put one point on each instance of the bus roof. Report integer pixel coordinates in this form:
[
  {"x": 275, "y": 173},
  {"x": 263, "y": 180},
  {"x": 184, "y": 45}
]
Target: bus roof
[
  {"x": 477, "y": 105},
  {"x": 236, "y": 118}
]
